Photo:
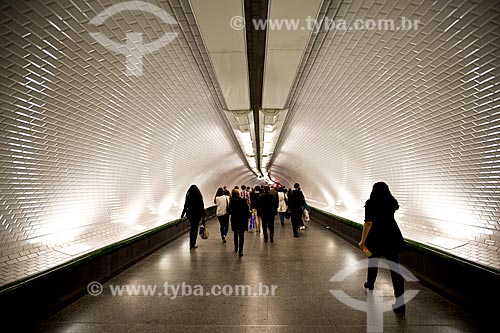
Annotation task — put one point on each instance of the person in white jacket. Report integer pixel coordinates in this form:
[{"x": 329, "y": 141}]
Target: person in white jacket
[
  {"x": 282, "y": 204},
  {"x": 221, "y": 200}
]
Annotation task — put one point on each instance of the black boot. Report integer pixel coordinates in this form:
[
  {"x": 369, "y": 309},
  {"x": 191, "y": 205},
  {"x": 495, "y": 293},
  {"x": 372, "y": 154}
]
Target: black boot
[
  {"x": 399, "y": 310},
  {"x": 368, "y": 286}
]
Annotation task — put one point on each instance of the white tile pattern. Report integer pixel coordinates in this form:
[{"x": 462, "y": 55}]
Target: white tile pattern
[
  {"x": 88, "y": 152},
  {"x": 417, "y": 109}
]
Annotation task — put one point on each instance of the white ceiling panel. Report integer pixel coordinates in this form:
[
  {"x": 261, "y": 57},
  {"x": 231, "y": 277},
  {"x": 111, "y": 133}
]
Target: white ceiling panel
[
  {"x": 226, "y": 47},
  {"x": 281, "y": 68},
  {"x": 232, "y": 73},
  {"x": 288, "y": 30}
]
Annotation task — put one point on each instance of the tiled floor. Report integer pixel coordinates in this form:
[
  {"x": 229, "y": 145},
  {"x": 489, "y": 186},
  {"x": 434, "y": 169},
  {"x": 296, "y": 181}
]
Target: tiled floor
[{"x": 300, "y": 268}]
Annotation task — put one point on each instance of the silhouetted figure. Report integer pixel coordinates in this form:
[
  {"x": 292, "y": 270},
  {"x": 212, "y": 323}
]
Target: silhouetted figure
[
  {"x": 267, "y": 209},
  {"x": 254, "y": 201},
  {"x": 195, "y": 211},
  {"x": 382, "y": 237},
  {"x": 296, "y": 202},
  {"x": 305, "y": 212},
  {"x": 240, "y": 213}
]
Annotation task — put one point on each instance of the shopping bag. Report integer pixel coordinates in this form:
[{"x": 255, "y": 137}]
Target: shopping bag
[
  {"x": 204, "y": 231},
  {"x": 252, "y": 222},
  {"x": 305, "y": 213}
]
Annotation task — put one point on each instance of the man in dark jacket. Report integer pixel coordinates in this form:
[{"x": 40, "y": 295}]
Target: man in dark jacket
[
  {"x": 267, "y": 209},
  {"x": 296, "y": 202},
  {"x": 254, "y": 201}
]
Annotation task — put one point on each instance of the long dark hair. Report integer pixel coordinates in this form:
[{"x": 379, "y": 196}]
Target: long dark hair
[
  {"x": 220, "y": 192},
  {"x": 381, "y": 195},
  {"x": 194, "y": 192}
]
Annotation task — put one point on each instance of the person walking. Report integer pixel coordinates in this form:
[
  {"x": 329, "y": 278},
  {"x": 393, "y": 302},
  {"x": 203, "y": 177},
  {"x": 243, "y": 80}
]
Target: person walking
[
  {"x": 222, "y": 202},
  {"x": 382, "y": 237},
  {"x": 296, "y": 203},
  {"x": 194, "y": 209},
  {"x": 254, "y": 201},
  {"x": 305, "y": 214},
  {"x": 245, "y": 194},
  {"x": 240, "y": 213},
  {"x": 282, "y": 204},
  {"x": 267, "y": 209},
  {"x": 274, "y": 192}
]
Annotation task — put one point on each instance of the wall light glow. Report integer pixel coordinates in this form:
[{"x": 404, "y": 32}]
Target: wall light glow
[
  {"x": 67, "y": 225},
  {"x": 132, "y": 212}
]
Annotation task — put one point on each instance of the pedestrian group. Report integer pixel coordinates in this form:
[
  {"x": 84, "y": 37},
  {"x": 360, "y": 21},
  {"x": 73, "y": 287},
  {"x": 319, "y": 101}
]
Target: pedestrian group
[
  {"x": 257, "y": 207},
  {"x": 248, "y": 209}
]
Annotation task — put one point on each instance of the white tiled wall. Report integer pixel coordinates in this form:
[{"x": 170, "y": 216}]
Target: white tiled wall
[
  {"x": 89, "y": 155},
  {"x": 417, "y": 109}
]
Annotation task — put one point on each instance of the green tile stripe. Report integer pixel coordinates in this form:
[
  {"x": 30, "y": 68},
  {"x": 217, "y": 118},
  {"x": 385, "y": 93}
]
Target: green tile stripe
[
  {"x": 97, "y": 253},
  {"x": 417, "y": 245}
]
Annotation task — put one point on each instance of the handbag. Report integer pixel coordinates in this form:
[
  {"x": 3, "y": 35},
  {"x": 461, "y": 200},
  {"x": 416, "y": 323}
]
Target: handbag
[
  {"x": 204, "y": 232},
  {"x": 287, "y": 213},
  {"x": 306, "y": 215}
]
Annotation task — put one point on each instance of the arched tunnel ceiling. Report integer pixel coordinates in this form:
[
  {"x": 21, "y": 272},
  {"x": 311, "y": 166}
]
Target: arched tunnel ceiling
[
  {"x": 417, "y": 109},
  {"x": 88, "y": 149}
]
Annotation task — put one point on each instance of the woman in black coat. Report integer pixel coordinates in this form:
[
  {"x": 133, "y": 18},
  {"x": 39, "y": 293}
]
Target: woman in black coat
[
  {"x": 195, "y": 211},
  {"x": 382, "y": 237},
  {"x": 240, "y": 213}
]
